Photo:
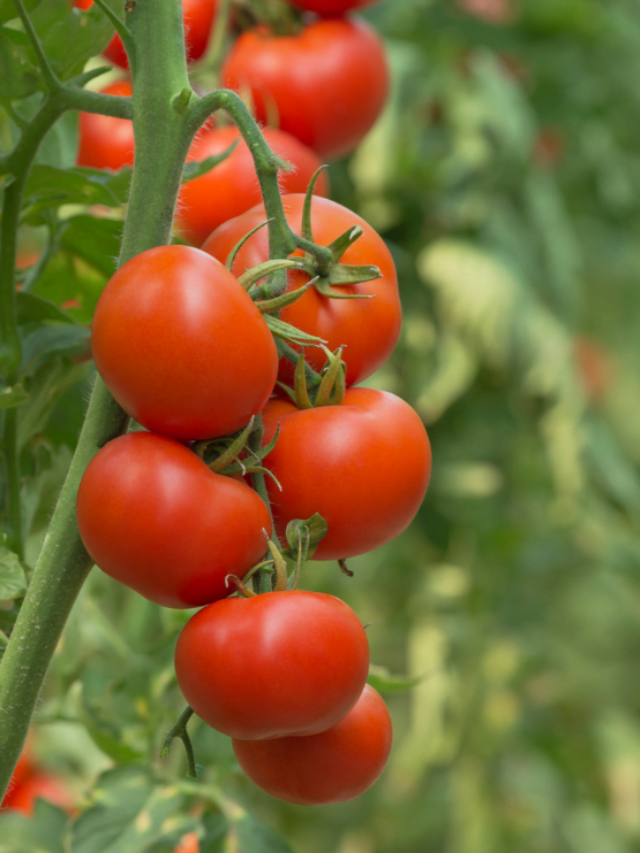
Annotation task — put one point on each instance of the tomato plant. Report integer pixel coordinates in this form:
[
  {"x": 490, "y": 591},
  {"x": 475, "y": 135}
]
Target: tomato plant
[
  {"x": 155, "y": 518},
  {"x": 363, "y": 465},
  {"x": 234, "y": 183},
  {"x": 276, "y": 664},
  {"x": 367, "y": 328},
  {"x": 156, "y": 302},
  {"x": 106, "y": 142},
  {"x": 327, "y": 84},
  {"x": 336, "y": 765}
]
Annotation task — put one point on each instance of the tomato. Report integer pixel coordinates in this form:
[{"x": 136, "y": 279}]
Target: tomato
[
  {"x": 363, "y": 465},
  {"x": 39, "y": 786},
  {"x": 198, "y": 16},
  {"x": 153, "y": 516},
  {"x": 106, "y": 142},
  {"x": 331, "y": 8},
  {"x": 281, "y": 663},
  {"x": 24, "y": 769},
  {"x": 369, "y": 328},
  {"x": 327, "y": 84},
  {"x": 593, "y": 367},
  {"x": 232, "y": 187},
  {"x": 189, "y": 843},
  {"x": 331, "y": 767},
  {"x": 181, "y": 346}
]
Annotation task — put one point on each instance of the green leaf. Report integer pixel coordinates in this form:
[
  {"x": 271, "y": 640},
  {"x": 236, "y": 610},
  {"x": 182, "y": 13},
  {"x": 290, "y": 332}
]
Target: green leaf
[
  {"x": 12, "y": 397},
  {"x": 201, "y": 167},
  {"x": 49, "y": 187},
  {"x": 18, "y": 79},
  {"x": 45, "y": 388},
  {"x": 381, "y": 679},
  {"x": 253, "y": 836},
  {"x": 97, "y": 241},
  {"x": 128, "y": 815},
  {"x": 36, "y": 309},
  {"x": 105, "y": 736},
  {"x": 12, "y": 578},
  {"x": 41, "y": 833},
  {"x": 8, "y": 9},
  {"x": 316, "y": 527},
  {"x": 50, "y": 340}
]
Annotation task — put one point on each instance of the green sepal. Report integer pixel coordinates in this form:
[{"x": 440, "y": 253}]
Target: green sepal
[
  {"x": 300, "y": 391},
  {"x": 323, "y": 397},
  {"x": 384, "y": 682},
  {"x": 279, "y": 564},
  {"x": 342, "y": 274},
  {"x": 287, "y": 391},
  {"x": 307, "y": 231},
  {"x": 236, "y": 447},
  {"x": 340, "y": 245},
  {"x": 233, "y": 253},
  {"x": 289, "y": 333},
  {"x": 266, "y": 306},
  {"x": 254, "y": 275},
  {"x": 316, "y": 528}
]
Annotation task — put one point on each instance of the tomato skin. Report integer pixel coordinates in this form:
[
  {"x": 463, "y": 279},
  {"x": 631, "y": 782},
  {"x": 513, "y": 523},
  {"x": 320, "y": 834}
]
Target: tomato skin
[
  {"x": 331, "y": 8},
  {"x": 153, "y": 516},
  {"x": 39, "y": 786},
  {"x": 363, "y": 465},
  {"x": 24, "y": 769},
  {"x": 331, "y": 767},
  {"x": 369, "y": 328},
  {"x": 106, "y": 142},
  {"x": 232, "y": 187},
  {"x": 281, "y": 663},
  {"x": 181, "y": 346},
  {"x": 328, "y": 84},
  {"x": 198, "y": 17}
]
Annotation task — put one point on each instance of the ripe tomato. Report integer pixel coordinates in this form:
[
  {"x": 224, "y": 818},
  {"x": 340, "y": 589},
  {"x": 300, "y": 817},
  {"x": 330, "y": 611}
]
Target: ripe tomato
[
  {"x": 189, "y": 843},
  {"x": 198, "y": 16},
  {"x": 331, "y": 767},
  {"x": 363, "y": 465},
  {"x": 331, "y": 8},
  {"x": 154, "y": 517},
  {"x": 181, "y": 346},
  {"x": 106, "y": 142},
  {"x": 282, "y": 663},
  {"x": 24, "y": 769},
  {"x": 39, "y": 786},
  {"x": 328, "y": 84},
  {"x": 369, "y": 328},
  {"x": 232, "y": 187}
]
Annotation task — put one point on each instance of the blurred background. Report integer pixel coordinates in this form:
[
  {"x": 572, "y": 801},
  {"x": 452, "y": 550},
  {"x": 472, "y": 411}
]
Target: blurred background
[{"x": 505, "y": 177}]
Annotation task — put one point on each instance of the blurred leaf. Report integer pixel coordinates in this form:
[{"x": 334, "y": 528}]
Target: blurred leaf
[
  {"x": 44, "y": 388},
  {"x": 12, "y": 397},
  {"x": 381, "y": 679},
  {"x": 95, "y": 240},
  {"x": 49, "y": 187},
  {"x": 17, "y": 78},
  {"x": 253, "y": 836},
  {"x": 41, "y": 833},
  {"x": 105, "y": 736},
  {"x": 51, "y": 340},
  {"x": 35, "y": 309},
  {"x": 198, "y": 168},
  {"x": 12, "y": 578}
]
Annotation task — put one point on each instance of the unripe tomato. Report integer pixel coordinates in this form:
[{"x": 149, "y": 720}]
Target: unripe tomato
[
  {"x": 368, "y": 328},
  {"x": 328, "y": 84},
  {"x": 363, "y": 465},
  {"x": 106, "y": 142},
  {"x": 181, "y": 346},
  {"x": 331, "y": 8},
  {"x": 331, "y": 767},
  {"x": 198, "y": 17},
  {"x": 281, "y": 663},
  {"x": 153, "y": 516},
  {"x": 232, "y": 187}
]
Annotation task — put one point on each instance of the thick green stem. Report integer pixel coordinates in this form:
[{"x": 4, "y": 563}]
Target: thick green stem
[{"x": 162, "y": 140}]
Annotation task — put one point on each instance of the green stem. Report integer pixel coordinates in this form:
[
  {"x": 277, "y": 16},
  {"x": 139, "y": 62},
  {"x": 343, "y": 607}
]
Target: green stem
[
  {"x": 50, "y": 79},
  {"x": 259, "y": 481},
  {"x": 12, "y": 457},
  {"x": 179, "y": 730},
  {"x": 220, "y": 27},
  {"x": 63, "y": 564}
]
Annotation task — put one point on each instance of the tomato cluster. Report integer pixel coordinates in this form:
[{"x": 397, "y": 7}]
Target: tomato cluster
[{"x": 232, "y": 373}]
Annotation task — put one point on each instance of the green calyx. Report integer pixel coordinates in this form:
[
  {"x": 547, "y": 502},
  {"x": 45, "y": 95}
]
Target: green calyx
[
  {"x": 232, "y": 455},
  {"x": 329, "y": 392}
]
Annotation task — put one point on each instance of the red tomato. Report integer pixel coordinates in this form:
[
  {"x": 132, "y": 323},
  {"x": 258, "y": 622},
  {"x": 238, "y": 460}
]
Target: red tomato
[
  {"x": 331, "y": 8},
  {"x": 282, "y": 663},
  {"x": 363, "y": 465},
  {"x": 23, "y": 771},
  {"x": 154, "y": 517},
  {"x": 40, "y": 786},
  {"x": 189, "y": 843},
  {"x": 198, "y": 16},
  {"x": 369, "y": 328},
  {"x": 327, "y": 84},
  {"x": 331, "y": 767},
  {"x": 181, "y": 346},
  {"x": 106, "y": 142},
  {"x": 232, "y": 187}
]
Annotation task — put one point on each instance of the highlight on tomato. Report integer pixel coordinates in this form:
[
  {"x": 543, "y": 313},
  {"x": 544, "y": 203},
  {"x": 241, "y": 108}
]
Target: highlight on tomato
[
  {"x": 181, "y": 346},
  {"x": 327, "y": 84},
  {"x": 232, "y": 187},
  {"x": 367, "y": 328},
  {"x": 363, "y": 465},
  {"x": 106, "y": 142},
  {"x": 330, "y": 767},
  {"x": 281, "y": 663},
  {"x": 154, "y": 517}
]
